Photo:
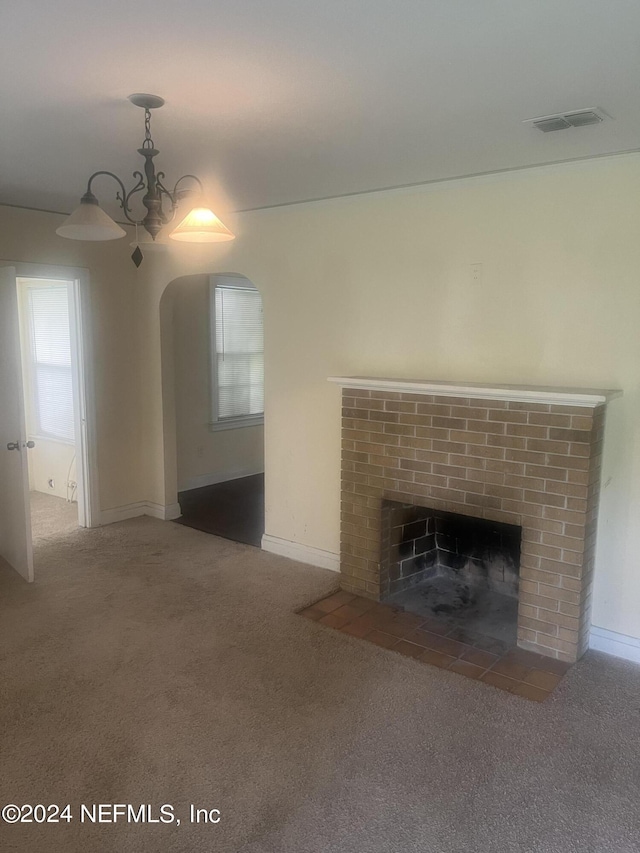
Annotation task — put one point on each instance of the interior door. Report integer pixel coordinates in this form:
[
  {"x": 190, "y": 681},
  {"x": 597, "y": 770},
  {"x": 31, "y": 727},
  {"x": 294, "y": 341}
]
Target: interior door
[{"x": 15, "y": 515}]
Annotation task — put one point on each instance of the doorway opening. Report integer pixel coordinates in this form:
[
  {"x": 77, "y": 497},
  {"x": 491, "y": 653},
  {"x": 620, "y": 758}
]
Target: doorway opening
[
  {"x": 217, "y": 341},
  {"x": 52, "y": 378}
]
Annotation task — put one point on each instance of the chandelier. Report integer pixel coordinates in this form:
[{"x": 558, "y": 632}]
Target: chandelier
[{"x": 90, "y": 222}]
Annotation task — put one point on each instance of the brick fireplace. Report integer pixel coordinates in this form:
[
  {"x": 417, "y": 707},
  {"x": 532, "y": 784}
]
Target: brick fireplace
[{"x": 513, "y": 455}]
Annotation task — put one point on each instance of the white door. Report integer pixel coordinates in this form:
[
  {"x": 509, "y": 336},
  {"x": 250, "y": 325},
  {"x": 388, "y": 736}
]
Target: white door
[{"x": 15, "y": 515}]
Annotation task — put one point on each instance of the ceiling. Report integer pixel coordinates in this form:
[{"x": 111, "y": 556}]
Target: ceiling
[{"x": 278, "y": 101}]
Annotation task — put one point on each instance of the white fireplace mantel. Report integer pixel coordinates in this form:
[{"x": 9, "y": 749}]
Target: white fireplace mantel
[{"x": 584, "y": 397}]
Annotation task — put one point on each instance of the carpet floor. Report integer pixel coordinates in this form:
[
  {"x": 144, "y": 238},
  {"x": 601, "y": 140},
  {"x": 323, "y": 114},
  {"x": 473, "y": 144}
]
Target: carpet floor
[
  {"x": 154, "y": 664},
  {"x": 51, "y": 517}
]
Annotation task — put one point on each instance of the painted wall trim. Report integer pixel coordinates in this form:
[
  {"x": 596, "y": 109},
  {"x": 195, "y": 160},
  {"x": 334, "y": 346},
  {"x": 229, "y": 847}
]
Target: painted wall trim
[
  {"x": 550, "y": 167},
  {"x": 302, "y": 553},
  {"x": 218, "y": 477},
  {"x": 164, "y": 513},
  {"x": 122, "y": 513},
  {"x": 587, "y": 397},
  {"x": 616, "y": 644}
]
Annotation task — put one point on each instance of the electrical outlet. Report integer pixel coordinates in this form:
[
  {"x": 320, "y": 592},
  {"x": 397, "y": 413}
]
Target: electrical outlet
[
  {"x": 200, "y": 451},
  {"x": 51, "y": 483},
  {"x": 476, "y": 273}
]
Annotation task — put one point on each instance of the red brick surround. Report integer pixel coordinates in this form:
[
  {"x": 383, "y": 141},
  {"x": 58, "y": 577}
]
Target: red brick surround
[{"x": 536, "y": 465}]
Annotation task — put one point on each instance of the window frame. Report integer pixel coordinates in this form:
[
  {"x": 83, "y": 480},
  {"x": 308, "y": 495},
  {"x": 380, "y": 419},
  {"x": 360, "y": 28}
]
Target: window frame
[{"x": 216, "y": 423}]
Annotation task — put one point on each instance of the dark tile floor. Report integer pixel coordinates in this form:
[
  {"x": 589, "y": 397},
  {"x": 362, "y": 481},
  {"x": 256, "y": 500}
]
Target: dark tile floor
[
  {"x": 234, "y": 510},
  {"x": 438, "y": 642}
]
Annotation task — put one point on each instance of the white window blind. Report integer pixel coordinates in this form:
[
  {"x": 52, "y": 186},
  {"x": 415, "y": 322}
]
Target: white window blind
[
  {"x": 50, "y": 345},
  {"x": 239, "y": 353}
]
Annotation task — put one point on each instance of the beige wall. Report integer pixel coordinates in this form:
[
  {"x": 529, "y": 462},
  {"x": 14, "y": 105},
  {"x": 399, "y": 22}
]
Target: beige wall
[
  {"x": 382, "y": 285},
  {"x": 203, "y": 456},
  {"x": 52, "y": 460},
  {"x": 29, "y": 237}
]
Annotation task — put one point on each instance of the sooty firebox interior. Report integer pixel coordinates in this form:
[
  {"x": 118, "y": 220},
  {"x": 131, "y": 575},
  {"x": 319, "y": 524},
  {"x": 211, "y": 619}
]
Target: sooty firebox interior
[{"x": 455, "y": 567}]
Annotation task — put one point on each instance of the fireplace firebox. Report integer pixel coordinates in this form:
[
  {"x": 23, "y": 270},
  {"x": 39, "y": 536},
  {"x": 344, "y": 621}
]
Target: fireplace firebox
[{"x": 461, "y": 568}]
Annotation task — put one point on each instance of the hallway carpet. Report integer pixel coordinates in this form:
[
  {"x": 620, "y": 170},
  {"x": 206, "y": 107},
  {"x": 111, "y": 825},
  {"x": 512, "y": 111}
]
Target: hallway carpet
[
  {"x": 154, "y": 664},
  {"x": 51, "y": 517}
]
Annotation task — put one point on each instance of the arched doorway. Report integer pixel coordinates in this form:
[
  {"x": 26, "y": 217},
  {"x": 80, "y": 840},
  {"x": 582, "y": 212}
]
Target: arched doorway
[{"x": 212, "y": 353}]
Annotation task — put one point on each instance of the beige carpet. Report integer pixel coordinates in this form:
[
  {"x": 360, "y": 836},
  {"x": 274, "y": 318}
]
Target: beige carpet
[
  {"x": 51, "y": 517},
  {"x": 152, "y": 664}
]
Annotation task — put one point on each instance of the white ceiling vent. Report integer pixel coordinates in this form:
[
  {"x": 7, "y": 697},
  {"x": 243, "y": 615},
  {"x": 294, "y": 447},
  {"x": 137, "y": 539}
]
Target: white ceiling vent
[{"x": 561, "y": 121}]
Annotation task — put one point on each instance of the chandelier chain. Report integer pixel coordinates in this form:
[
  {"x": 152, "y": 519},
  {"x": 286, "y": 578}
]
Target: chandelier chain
[{"x": 148, "y": 141}]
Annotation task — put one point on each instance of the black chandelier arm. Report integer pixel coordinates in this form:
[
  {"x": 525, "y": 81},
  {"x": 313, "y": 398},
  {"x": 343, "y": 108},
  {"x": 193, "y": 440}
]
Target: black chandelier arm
[
  {"x": 122, "y": 198},
  {"x": 159, "y": 188},
  {"x": 163, "y": 190},
  {"x": 136, "y": 189},
  {"x": 185, "y": 178},
  {"x": 173, "y": 196}
]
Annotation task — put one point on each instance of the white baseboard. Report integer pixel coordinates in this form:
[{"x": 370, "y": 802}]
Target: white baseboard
[
  {"x": 164, "y": 513},
  {"x": 301, "y": 553},
  {"x": 615, "y": 644},
  {"x": 219, "y": 477},
  {"x": 122, "y": 513}
]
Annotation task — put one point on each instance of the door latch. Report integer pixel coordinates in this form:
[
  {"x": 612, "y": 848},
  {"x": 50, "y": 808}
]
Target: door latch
[{"x": 13, "y": 445}]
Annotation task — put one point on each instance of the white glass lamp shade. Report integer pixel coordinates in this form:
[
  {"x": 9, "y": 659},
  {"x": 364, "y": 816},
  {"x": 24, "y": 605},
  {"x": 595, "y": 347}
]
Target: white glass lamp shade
[
  {"x": 201, "y": 225},
  {"x": 89, "y": 222}
]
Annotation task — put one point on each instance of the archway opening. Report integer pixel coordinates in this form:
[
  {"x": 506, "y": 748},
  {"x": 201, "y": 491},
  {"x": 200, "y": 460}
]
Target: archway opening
[{"x": 212, "y": 344}]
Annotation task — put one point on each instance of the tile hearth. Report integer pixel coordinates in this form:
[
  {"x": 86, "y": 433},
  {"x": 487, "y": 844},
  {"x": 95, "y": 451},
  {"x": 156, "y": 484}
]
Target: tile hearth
[{"x": 441, "y": 643}]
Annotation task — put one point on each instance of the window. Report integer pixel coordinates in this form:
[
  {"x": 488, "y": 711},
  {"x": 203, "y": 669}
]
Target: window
[
  {"x": 50, "y": 360},
  {"x": 237, "y": 353}
]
